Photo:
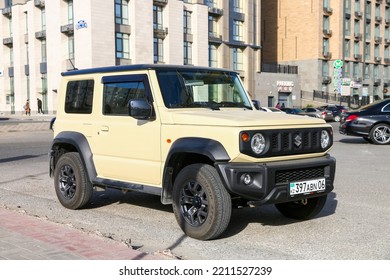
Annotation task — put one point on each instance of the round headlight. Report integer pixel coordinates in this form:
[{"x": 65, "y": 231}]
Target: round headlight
[
  {"x": 325, "y": 139},
  {"x": 258, "y": 143}
]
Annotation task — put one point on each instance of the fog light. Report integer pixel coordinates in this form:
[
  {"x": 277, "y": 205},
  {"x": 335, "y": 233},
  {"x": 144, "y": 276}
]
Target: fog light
[{"x": 246, "y": 178}]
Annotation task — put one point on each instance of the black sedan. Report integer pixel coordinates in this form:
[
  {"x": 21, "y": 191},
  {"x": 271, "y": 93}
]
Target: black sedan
[{"x": 372, "y": 122}]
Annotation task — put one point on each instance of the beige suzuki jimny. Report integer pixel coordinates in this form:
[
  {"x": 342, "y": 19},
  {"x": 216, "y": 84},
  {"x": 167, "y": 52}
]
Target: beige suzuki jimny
[{"x": 190, "y": 135}]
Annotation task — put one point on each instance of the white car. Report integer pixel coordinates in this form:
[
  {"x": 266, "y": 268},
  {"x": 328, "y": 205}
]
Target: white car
[{"x": 271, "y": 109}]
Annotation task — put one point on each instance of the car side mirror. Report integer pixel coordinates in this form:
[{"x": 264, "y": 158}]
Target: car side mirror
[{"x": 140, "y": 109}]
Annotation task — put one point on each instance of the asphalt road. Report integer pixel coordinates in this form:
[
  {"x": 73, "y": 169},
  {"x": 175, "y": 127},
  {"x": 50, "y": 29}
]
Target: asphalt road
[{"x": 354, "y": 225}]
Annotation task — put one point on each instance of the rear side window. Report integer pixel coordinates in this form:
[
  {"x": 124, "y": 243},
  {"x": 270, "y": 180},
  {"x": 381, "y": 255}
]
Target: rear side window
[
  {"x": 79, "y": 96},
  {"x": 119, "y": 90}
]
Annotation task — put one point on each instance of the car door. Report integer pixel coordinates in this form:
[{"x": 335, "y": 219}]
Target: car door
[{"x": 127, "y": 149}]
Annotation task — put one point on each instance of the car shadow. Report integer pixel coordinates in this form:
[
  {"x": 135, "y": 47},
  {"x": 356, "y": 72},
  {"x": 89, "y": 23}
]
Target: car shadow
[
  {"x": 357, "y": 140},
  {"x": 268, "y": 215}
]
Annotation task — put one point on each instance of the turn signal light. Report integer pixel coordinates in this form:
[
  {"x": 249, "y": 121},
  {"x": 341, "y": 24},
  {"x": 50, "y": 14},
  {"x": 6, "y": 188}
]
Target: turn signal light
[{"x": 245, "y": 137}]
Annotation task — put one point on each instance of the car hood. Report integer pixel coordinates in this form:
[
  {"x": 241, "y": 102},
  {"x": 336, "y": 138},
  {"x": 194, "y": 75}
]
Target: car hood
[{"x": 236, "y": 117}]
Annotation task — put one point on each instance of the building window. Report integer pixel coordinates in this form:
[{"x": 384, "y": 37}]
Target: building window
[
  {"x": 377, "y": 30},
  {"x": 346, "y": 69},
  {"x": 237, "y": 6},
  {"x": 43, "y": 19},
  {"x": 71, "y": 47},
  {"x": 326, "y": 25},
  {"x": 376, "y": 71},
  {"x": 213, "y": 31},
  {"x": 366, "y": 71},
  {"x": 122, "y": 46},
  {"x": 158, "y": 50},
  {"x": 325, "y": 68},
  {"x": 326, "y": 4},
  {"x": 376, "y": 51},
  {"x": 121, "y": 11},
  {"x": 368, "y": 10},
  {"x": 357, "y": 5},
  {"x": 356, "y": 48},
  {"x": 213, "y": 58},
  {"x": 368, "y": 31},
  {"x": 367, "y": 51},
  {"x": 43, "y": 51},
  {"x": 238, "y": 59},
  {"x": 157, "y": 17},
  {"x": 187, "y": 53},
  {"x": 356, "y": 71},
  {"x": 347, "y": 26},
  {"x": 386, "y": 52},
  {"x": 238, "y": 30},
  {"x": 187, "y": 22},
  {"x": 348, "y": 6},
  {"x": 325, "y": 45},
  {"x": 347, "y": 48},
  {"x": 70, "y": 11},
  {"x": 356, "y": 27}
]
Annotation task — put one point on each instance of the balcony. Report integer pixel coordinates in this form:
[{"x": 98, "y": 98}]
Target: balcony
[
  {"x": 377, "y": 59},
  {"x": 378, "y": 39},
  {"x": 39, "y": 3},
  {"x": 215, "y": 38},
  {"x": 326, "y": 80},
  {"x": 327, "y": 32},
  {"x": 387, "y": 60},
  {"x": 216, "y": 11},
  {"x": 328, "y": 10},
  {"x": 358, "y": 36},
  {"x": 7, "y": 12},
  {"x": 67, "y": 29},
  {"x": 378, "y": 19},
  {"x": 40, "y": 35},
  {"x": 8, "y": 41},
  {"x": 327, "y": 55},
  {"x": 358, "y": 14},
  {"x": 377, "y": 82},
  {"x": 357, "y": 57},
  {"x": 160, "y": 2},
  {"x": 160, "y": 32}
]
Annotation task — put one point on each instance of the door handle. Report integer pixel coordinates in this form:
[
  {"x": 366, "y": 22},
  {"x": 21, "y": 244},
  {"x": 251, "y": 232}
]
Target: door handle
[{"x": 104, "y": 128}]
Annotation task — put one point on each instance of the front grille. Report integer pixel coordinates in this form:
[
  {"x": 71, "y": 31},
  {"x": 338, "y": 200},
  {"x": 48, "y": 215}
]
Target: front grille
[
  {"x": 288, "y": 142},
  {"x": 299, "y": 175}
]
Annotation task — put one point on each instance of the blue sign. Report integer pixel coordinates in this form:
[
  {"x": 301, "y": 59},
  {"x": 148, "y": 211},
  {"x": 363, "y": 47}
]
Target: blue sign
[{"x": 81, "y": 24}]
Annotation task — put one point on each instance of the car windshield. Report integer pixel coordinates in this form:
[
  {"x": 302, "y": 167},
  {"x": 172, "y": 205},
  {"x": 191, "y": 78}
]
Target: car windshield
[{"x": 183, "y": 88}]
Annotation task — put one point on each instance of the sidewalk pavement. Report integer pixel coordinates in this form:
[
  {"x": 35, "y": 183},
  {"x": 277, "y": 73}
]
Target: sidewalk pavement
[
  {"x": 24, "y": 237},
  {"x": 34, "y": 122}
]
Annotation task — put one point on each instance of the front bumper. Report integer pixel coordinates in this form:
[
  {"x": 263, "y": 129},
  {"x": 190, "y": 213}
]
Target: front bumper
[{"x": 270, "y": 181}]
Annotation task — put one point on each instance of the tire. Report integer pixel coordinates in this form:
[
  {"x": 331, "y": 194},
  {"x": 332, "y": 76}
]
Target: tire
[
  {"x": 304, "y": 209},
  {"x": 337, "y": 118},
  {"x": 201, "y": 204},
  {"x": 71, "y": 182},
  {"x": 380, "y": 134}
]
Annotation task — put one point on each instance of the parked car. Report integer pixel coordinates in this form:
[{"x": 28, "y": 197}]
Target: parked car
[
  {"x": 271, "y": 109},
  {"x": 337, "y": 110},
  {"x": 318, "y": 113},
  {"x": 372, "y": 122},
  {"x": 293, "y": 111}
]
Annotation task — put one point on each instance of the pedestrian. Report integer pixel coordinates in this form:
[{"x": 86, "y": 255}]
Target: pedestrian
[
  {"x": 277, "y": 106},
  {"x": 27, "y": 108},
  {"x": 282, "y": 107},
  {"x": 39, "y": 106}
]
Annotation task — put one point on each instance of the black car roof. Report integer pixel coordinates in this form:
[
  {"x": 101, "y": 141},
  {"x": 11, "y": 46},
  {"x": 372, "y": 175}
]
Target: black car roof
[{"x": 121, "y": 68}]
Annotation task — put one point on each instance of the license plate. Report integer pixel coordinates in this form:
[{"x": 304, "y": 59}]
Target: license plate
[{"x": 307, "y": 187}]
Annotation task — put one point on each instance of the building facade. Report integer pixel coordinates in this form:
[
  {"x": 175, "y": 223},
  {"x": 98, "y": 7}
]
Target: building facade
[
  {"x": 41, "y": 39},
  {"x": 341, "y": 47}
]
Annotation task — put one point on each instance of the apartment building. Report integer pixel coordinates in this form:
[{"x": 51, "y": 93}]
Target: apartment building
[
  {"x": 341, "y": 47},
  {"x": 41, "y": 39}
]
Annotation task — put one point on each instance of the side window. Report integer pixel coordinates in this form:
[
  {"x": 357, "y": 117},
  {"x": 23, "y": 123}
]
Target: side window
[
  {"x": 117, "y": 94},
  {"x": 79, "y": 96},
  {"x": 386, "y": 109}
]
